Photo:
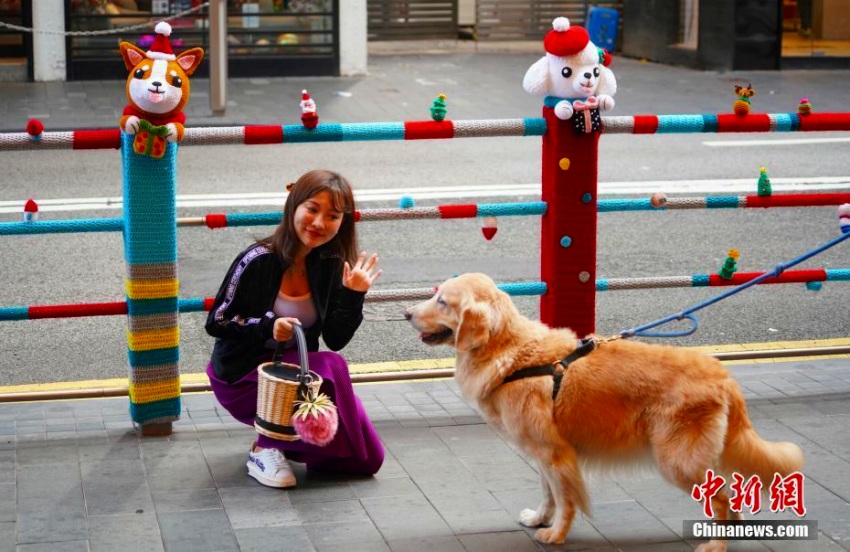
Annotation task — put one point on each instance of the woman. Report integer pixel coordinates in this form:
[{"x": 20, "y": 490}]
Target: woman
[{"x": 307, "y": 272}]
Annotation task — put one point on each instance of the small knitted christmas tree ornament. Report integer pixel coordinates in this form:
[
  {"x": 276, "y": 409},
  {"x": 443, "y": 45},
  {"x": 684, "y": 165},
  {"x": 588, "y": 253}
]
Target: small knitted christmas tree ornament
[
  {"x": 729, "y": 266},
  {"x": 316, "y": 420},
  {"x": 742, "y": 104},
  {"x": 764, "y": 189},
  {"x": 30, "y": 211},
  {"x": 309, "y": 118},
  {"x": 35, "y": 129},
  {"x": 844, "y": 217},
  {"x": 804, "y": 107},
  {"x": 438, "y": 108},
  {"x": 489, "y": 227}
]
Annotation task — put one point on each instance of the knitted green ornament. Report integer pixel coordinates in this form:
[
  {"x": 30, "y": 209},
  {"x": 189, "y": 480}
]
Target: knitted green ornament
[
  {"x": 438, "y": 108},
  {"x": 764, "y": 183},
  {"x": 729, "y": 266}
]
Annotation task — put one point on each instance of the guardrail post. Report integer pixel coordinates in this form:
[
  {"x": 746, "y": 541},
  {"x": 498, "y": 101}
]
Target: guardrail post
[
  {"x": 568, "y": 233},
  {"x": 150, "y": 253},
  {"x": 218, "y": 56}
]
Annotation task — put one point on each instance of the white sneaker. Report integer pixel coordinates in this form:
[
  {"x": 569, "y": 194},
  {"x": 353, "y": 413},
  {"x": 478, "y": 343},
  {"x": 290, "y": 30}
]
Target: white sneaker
[{"x": 270, "y": 468}]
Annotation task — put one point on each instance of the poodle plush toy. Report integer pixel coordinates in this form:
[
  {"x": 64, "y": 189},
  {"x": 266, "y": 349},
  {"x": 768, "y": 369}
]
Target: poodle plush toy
[
  {"x": 573, "y": 76},
  {"x": 157, "y": 90}
]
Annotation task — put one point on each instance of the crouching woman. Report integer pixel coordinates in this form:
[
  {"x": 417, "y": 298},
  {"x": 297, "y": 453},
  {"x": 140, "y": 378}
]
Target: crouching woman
[{"x": 307, "y": 272}]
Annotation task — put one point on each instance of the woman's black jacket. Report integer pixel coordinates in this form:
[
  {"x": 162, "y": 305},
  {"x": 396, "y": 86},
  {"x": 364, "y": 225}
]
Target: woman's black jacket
[{"x": 241, "y": 316}]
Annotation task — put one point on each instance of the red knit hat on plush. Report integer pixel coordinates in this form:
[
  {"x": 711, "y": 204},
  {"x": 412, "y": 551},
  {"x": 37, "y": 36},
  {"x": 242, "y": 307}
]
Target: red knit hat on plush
[
  {"x": 161, "y": 47},
  {"x": 564, "y": 40}
]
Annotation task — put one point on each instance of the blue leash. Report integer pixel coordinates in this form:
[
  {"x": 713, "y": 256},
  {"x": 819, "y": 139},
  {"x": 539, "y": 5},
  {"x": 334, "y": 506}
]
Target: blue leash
[{"x": 641, "y": 331}]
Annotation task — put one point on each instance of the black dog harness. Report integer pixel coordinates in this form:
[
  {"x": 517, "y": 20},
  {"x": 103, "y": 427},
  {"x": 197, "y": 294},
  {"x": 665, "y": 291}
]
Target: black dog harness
[{"x": 585, "y": 347}]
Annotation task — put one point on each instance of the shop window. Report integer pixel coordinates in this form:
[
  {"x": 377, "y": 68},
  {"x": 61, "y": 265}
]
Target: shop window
[
  {"x": 11, "y": 42},
  {"x": 815, "y": 28},
  {"x": 258, "y": 32}
]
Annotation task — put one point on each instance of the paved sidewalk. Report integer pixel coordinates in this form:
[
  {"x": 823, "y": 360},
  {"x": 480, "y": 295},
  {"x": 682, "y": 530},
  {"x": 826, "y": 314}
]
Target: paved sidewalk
[{"x": 74, "y": 475}]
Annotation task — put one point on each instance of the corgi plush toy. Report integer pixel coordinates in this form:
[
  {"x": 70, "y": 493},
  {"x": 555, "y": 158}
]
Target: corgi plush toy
[
  {"x": 157, "y": 90},
  {"x": 573, "y": 76}
]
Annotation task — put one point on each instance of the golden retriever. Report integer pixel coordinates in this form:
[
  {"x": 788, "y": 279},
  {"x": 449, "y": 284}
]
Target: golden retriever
[{"x": 625, "y": 401}]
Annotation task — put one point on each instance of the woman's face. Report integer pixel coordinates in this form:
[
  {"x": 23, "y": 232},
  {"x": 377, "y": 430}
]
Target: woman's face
[{"x": 317, "y": 221}]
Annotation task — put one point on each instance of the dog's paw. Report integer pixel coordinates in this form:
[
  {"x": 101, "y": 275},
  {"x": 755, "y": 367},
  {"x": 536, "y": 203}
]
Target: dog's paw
[
  {"x": 606, "y": 102},
  {"x": 172, "y": 133},
  {"x": 132, "y": 125},
  {"x": 550, "y": 535},
  {"x": 563, "y": 110},
  {"x": 531, "y": 518}
]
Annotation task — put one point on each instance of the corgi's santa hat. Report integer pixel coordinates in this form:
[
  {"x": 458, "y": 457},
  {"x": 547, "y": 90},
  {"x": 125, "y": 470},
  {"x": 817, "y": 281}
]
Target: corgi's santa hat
[
  {"x": 568, "y": 40},
  {"x": 161, "y": 47}
]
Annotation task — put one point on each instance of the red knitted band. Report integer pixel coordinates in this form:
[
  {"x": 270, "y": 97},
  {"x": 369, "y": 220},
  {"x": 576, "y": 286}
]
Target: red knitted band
[
  {"x": 216, "y": 220},
  {"x": 263, "y": 134},
  {"x": 458, "y": 211},
  {"x": 422, "y": 130}
]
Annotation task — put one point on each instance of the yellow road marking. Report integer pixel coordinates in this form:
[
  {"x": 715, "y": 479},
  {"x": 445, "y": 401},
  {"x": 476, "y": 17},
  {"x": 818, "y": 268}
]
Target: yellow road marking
[{"x": 437, "y": 363}]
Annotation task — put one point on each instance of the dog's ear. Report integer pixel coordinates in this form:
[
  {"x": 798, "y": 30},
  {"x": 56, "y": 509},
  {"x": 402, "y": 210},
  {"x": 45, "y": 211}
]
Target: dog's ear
[
  {"x": 607, "y": 82},
  {"x": 190, "y": 59},
  {"x": 536, "y": 79},
  {"x": 131, "y": 54},
  {"x": 473, "y": 329}
]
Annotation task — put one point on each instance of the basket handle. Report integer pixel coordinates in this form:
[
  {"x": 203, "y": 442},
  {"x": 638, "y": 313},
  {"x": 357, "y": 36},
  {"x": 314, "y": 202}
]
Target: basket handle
[{"x": 301, "y": 343}]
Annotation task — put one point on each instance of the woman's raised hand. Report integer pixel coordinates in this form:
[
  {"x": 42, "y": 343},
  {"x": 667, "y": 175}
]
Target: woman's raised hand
[
  {"x": 361, "y": 276},
  {"x": 282, "y": 330}
]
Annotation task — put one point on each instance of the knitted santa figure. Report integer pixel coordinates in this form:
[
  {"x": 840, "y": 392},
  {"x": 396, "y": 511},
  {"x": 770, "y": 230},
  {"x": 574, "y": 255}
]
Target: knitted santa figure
[
  {"x": 309, "y": 118},
  {"x": 573, "y": 76}
]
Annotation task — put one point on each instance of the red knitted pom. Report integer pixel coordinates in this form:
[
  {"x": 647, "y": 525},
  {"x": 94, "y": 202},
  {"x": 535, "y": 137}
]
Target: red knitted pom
[{"x": 34, "y": 127}]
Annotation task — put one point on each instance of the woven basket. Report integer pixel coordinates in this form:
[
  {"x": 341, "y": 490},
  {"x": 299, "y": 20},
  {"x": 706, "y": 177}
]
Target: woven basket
[{"x": 280, "y": 384}]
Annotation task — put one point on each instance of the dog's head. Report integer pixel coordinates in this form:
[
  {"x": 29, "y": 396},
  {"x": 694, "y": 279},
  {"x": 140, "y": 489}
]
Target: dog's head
[
  {"x": 158, "y": 82},
  {"x": 573, "y": 67},
  {"x": 461, "y": 313}
]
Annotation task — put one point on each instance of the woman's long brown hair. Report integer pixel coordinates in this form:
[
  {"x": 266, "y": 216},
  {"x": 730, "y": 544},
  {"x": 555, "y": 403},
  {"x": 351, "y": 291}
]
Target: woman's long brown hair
[{"x": 284, "y": 241}]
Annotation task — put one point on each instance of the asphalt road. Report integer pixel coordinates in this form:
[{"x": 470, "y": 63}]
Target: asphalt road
[{"x": 75, "y": 268}]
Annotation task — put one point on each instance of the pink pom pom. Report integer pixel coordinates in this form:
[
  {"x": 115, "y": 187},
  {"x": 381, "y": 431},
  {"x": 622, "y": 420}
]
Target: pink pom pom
[{"x": 317, "y": 429}]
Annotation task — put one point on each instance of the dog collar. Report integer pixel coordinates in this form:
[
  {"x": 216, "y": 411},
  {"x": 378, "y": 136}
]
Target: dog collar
[{"x": 584, "y": 348}]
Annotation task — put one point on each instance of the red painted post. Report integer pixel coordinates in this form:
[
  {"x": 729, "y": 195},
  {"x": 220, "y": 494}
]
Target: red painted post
[{"x": 568, "y": 234}]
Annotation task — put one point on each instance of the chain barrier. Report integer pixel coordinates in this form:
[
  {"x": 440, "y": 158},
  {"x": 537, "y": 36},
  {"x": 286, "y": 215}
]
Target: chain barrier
[{"x": 104, "y": 32}]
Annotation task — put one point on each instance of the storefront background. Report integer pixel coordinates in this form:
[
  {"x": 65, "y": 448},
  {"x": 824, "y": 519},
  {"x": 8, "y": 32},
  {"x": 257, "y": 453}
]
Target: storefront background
[
  {"x": 815, "y": 28},
  {"x": 265, "y": 37}
]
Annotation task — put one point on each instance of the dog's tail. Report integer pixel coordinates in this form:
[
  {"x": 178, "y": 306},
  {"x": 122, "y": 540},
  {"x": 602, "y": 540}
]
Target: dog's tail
[{"x": 746, "y": 453}]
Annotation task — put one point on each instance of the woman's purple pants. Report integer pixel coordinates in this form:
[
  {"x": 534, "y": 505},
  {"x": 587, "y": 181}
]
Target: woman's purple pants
[{"x": 356, "y": 448}]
